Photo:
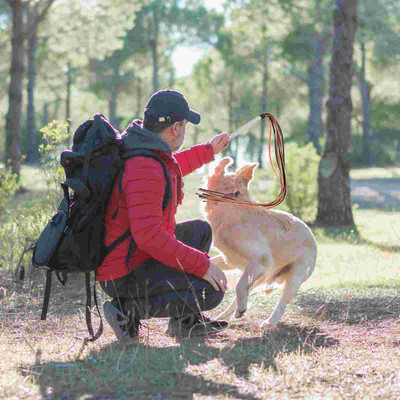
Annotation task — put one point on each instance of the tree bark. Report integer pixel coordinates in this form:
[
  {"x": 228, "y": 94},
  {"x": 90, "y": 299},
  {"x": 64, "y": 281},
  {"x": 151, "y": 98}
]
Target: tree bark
[
  {"x": 365, "y": 99},
  {"x": 154, "y": 50},
  {"x": 33, "y": 152},
  {"x": 315, "y": 80},
  {"x": 13, "y": 121},
  {"x": 112, "y": 97},
  {"x": 334, "y": 198},
  {"x": 264, "y": 104},
  {"x": 68, "y": 98}
]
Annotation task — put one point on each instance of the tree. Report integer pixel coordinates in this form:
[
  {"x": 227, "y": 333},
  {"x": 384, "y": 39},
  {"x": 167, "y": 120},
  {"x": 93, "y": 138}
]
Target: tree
[
  {"x": 33, "y": 151},
  {"x": 13, "y": 121},
  {"x": 334, "y": 199},
  {"x": 377, "y": 32},
  {"x": 94, "y": 33},
  {"x": 305, "y": 48}
]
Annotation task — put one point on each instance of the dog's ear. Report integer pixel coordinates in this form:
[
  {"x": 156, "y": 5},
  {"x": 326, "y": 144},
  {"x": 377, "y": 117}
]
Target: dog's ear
[
  {"x": 246, "y": 172},
  {"x": 219, "y": 169}
]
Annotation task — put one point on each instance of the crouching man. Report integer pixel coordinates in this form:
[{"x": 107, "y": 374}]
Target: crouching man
[{"x": 163, "y": 270}]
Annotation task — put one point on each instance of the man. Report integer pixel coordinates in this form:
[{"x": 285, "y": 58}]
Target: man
[{"x": 164, "y": 271}]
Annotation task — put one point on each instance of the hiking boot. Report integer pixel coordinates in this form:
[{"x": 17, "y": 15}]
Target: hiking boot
[
  {"x": 194, "y": 325},
  {"x": 124, "y": 326}
]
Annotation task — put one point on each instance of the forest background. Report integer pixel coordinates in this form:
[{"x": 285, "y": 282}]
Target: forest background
[{"x": 109, "y": 56}]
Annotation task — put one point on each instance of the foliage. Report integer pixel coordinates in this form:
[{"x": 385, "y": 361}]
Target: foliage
[
  {"x": 24, "y": 224},
  {"x": 302, "y": 176},
  {"x": 385, "y": 135},
  {"x": 8, "y": 186}
]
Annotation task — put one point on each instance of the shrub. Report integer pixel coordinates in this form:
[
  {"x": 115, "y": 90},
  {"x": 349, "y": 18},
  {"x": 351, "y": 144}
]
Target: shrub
[
  {"x": 302, "y": 181},
  {"x": 8, "y": 186},
  {"x": 25, "y": 221}
]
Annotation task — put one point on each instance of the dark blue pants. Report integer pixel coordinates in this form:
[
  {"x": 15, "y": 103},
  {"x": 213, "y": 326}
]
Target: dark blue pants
[{"x": 157, "y": 290}]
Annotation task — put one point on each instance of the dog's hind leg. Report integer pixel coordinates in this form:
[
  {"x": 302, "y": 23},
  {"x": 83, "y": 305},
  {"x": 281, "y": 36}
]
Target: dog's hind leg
[{"x": 298, "y": 273}]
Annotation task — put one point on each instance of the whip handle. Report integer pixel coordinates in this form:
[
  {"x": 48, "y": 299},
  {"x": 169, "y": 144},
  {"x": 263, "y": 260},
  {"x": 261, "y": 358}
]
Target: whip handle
[{"x": 244, "y": 127}]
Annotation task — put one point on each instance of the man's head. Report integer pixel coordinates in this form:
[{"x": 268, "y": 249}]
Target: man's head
[
  {"x": 166, "y": 107},
  {"x": 167, "y": 113}
]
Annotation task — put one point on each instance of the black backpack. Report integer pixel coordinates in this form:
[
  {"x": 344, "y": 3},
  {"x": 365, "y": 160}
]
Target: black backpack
[{"x": 73, "y": 240}]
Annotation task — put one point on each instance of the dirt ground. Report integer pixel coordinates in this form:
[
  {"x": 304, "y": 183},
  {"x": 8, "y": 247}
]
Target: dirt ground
[{"x": 376, "y": 193}]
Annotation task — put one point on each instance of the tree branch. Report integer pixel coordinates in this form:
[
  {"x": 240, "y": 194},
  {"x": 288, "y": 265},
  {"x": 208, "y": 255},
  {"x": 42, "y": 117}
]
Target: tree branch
[{"x": 40, "y": 17}]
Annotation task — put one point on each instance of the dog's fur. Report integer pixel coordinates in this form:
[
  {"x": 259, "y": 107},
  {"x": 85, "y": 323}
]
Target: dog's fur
[{"x": 271, "y": 247}]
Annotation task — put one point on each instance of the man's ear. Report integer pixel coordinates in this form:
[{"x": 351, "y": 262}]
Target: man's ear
[
  {"x": 246, "y": 172},
  {"x": 220, "y": 168},
  {"x": 175, "y": 128}
]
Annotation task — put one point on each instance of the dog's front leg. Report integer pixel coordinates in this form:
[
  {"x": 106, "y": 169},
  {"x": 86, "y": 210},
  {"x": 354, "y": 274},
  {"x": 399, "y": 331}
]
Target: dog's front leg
[{"x": 254, "y": 270}]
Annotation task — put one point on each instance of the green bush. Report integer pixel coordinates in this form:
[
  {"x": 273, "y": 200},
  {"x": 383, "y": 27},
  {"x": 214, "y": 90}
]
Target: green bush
[
  {"x": 8, "y": 186},
  {"x": 25, "y": 221},
  {"x": 302, "y": 182}
]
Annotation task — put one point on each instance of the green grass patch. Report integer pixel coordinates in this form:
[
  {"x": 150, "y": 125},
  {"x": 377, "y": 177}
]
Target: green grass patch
[{"x": 375, "y": 172}]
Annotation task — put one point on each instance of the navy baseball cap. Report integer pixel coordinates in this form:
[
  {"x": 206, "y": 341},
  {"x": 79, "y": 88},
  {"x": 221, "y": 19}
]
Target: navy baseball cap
[{"x": 170, "y": 106}]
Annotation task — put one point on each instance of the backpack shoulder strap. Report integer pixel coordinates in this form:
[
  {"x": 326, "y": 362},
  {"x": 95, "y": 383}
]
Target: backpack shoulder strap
[
  {"x": 152, "y": 154},
  {"x": 167, "y": 198}
]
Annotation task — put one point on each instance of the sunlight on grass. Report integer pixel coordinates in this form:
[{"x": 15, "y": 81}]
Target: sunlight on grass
[
  {"x": 354, "y": 265},
  {"x": 380, "y": 227},
  {"x": 375, "y": 172},
  {"x": 31, "y": 179}
]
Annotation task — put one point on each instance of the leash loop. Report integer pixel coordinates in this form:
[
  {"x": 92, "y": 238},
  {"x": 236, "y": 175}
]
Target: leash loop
[{"x": 210, "y": 195}]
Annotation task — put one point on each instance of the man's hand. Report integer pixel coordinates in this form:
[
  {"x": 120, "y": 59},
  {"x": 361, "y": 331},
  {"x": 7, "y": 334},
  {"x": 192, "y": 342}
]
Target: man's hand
[
  {"x": 220, "y": 142},
  {"x": 216, "y": 277}
]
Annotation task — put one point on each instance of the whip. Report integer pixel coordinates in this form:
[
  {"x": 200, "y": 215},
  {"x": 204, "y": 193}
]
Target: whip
[{"x": 210, "y": 195}]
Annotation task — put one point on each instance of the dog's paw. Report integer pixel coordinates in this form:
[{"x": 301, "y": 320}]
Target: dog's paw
[
  {"x": 268, "y": 324},
  {"x": 239, "y": 314}
]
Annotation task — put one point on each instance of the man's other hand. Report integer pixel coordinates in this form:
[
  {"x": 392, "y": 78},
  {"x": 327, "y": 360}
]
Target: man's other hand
[
  {"x": 220, "y": 142},
  {"x": 216, "y": 277}
]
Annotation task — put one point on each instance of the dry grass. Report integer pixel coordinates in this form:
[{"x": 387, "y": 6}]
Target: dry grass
[
  {"x": 339, "y": 339},
  {"x": 332, "y": 343}
]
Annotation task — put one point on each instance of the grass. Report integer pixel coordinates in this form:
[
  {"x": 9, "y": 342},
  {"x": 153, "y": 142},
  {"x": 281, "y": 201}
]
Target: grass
[
  {"x": 376, "y": 172},
  {"x": 339, "y": 338}
]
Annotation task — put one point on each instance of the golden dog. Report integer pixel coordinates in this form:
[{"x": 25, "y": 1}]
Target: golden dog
[{"x": 271, "y": 247}]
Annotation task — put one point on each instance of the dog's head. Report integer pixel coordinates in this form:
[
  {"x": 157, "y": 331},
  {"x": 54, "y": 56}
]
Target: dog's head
[{"x": 235, "y": 184}]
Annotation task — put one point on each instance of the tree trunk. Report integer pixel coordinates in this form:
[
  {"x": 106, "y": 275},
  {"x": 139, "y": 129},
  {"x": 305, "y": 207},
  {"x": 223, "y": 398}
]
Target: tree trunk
[
  {"x": 315, "y": 80},
  {"x": 365, "y": 98},
  {"x": 33, "y": 151},
  {"x": 45, "y": 114},
  {"x": 264, "y": 105},
  {"x": 154, "y": 51},
  {"x": 139, "y": 95},
  {"x": 13, "y": 119},
  {"x": 112, "y": 97},
  {"x": 13, "y": 122},
  {"x": 231, "y": 118},
  {"x": 315, "y": 87},
  {"x": 68, "y": 99},
  {"x": 334, "y": 198}
]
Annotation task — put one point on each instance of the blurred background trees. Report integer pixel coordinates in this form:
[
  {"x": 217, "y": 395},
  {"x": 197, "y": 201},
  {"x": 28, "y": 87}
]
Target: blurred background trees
[{"x": 67, "y": 60}]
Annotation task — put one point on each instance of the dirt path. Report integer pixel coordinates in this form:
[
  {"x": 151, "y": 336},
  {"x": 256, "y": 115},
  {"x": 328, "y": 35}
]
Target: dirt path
[{"x": 376, "y": 193}]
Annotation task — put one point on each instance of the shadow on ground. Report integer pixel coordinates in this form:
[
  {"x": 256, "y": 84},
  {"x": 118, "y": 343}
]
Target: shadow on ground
[
  {"x": 194, "y": 366},
  {"x": 351, "y": 310}
]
